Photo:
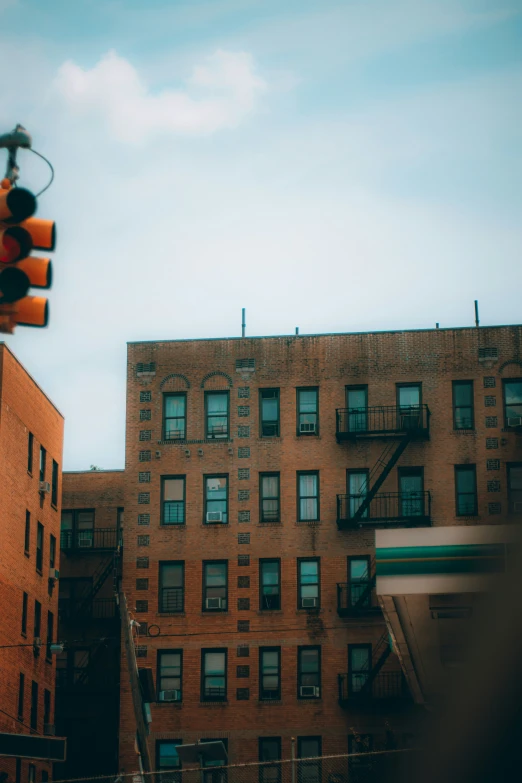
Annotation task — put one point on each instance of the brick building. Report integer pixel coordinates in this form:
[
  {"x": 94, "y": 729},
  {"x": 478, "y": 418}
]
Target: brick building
[
  {"x": 257, "y": 470},
  {"x": 31, "y": 444},
  {"x": 88, "y": 671}
]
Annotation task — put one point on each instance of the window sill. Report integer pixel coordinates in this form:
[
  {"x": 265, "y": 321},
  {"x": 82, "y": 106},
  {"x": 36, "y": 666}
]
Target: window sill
[
  {"x": 516, "y": 430},
  {"x": 210, "y": 612},
  {"x": 24, "y": 635},
  {"x": 467, "y": 516},
  {"x": 168, "y": 703},
  {"x": 29, "y": 473},
  {"x": 39, "y": 572},
  {"x": 48, "y": 660},
  {"x": 308, "y": 522},
  {"x": 27, "y": 553},
  {"x": 172, "y": 525},
  {"x": 269, "y": 524},
  {"x": 311, "y": 610},
  {"x": 54, "y": 506},
  {"x": 263, "y": 612},
  {"x": 214, "y": 524},
  {"x": 465, "y": 432},
  {"x": 170, "y": 614},
  {"x": 309, "y": 698},
  {"x": 216, "y": 703},
  {"x": 270, "y": 701}
]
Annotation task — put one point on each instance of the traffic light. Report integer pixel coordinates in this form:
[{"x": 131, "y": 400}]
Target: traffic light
[{"x": 20, "y": 233}]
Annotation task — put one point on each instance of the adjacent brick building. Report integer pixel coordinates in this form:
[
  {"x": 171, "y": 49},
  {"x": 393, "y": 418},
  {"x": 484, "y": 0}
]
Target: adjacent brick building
[
  {"x": 88, "y": 675},
  {"x": 31, "y": 444},
  {"x": 257, "y": 470}
]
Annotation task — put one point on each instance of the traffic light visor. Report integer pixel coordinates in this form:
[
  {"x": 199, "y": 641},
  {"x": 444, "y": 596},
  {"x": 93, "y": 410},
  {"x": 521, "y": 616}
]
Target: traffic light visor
[
  {"x": 38, "y": 270},
  {"x": 43, "y": 233},
  {"x": 15, "y": 243},
  {"x": 16, "y": 205},
  {"x": 32, "y": 311}
]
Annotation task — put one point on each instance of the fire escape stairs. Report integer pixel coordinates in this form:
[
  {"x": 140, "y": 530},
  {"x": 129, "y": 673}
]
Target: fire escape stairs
[
  {"x": 385, "y": 464},
  {"x": 365, "y": 595},
  {"x": 98, "y": 580},
  {"x": 380, "y": 656}
]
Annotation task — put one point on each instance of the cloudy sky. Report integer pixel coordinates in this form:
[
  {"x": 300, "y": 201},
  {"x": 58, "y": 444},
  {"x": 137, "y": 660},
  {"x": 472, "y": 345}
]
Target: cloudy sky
[{"x": 334, "y": 165}]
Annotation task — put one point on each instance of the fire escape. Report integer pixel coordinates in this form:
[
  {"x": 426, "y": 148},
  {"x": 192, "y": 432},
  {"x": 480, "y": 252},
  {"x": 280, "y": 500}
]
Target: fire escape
[
  {"x": 399, "y": 426},
  {"x": 369, "y": 684}
]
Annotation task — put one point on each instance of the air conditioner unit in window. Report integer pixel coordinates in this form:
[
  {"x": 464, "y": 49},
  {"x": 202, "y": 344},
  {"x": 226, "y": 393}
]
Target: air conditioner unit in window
[
  {"x": 517, "y": 507},
  {"x": 85, "y": 543},
  {"x": 49, "y": 729},
  {"x": 307, "y": 426},
  {"x": 214, "y": 603},
  {"x": 44, "y": 487},
  {"x": 309, "y": 603},
  {"x": 514, "y": 421},
  {"x": 54, "y": 574},
  {"x": 309, "y": 691},
  {"x": 214, "y": 516},
  {"x": 171, "y": 695}
]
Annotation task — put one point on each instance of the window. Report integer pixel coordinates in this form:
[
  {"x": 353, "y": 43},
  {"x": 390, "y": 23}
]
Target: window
[
  {"x": 18, "y": 771},
  {"x": 270, "y": 750},
  {"x": 173, "y": 500},
  {"x": 214, "y": 675},
  {"x": 269, "y": 673},
  {"x": 169, "y": 677},
  {"x": 77, "y": 529},
  {"x": 309, "y": 748},
  {"x": 513, "y": 403},
  {"x": 30, "y": 447},
  {"x": 411, "y": 492},
  {"x": 359, "y": 582},
  {"x": 309, "y": 672},
  {"x": 47, "y": 707},
  {"x": 216, "y": 775},
  {"x": 34, "y": 705},
  {"x": 54, "y": 484},
  {"x": 174, "y": 416},
  {"x": 216, "y": 499},
  {"x": 45, "y": 776},
  {"x": 39, "y": 546},
  {"x": 308, "y": 583},
  {"x": 359, "y": 665},
  {"x": 408, "y": 397},
  {"x": 50, "y": 631},
  {"x": 27, "y": 537},
  {"x": 171, "y": 586},
  {"x": 31, "y": 778},
  {"x": 269, "y": 584},
  {"x": 21, "y": 694},
  {"x": 463, "y": 418},
  {"x": 43, "y": 455},
  {"x": 269, "y": 497},
  {"x": 466, "y": 490},
  {"x": 216, "y": 404},
  {"x": 308, "y": 411},
  {"x": 215, "y": 586},
  {"x": 37, "y": 619},
  {"x": 167, "y": 759},
  {"x": 357, "y": 485},
  {"x": 25, "y": 598},
  {"x": 360, "y": 743},
  {"x": 357, "y": 404},
  {"x": 52, "y": 551},
  {"x": 514, "y": 482},
  {"x": 308, "y": 496},
  {"x": 269, "y": 412}
]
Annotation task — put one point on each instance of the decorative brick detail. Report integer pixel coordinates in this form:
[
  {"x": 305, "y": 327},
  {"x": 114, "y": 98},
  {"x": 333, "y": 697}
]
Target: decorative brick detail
[
  {"x": 142, "y": 584},
  {"x": 493, "y": 464},
  {"x": 494, "y": 486},
  {"x": 243, "y": 516},
  {"x": 245, "y": 364},
  {"x": 243, "y": 494},
  {"x": 242, "y": 672},
  {"x": 243, "y": 410},
  {"x": 243, "y": 538},
  {"x": 243, "y": 473},
  {"x": 142, "y": 606},
  {"x": 145, "y": 456},
  {"x": 145, "y": 414},
  {"x": 144, "y": 629},
  {"x": 145, "y": 434},
  {"x": 143, "y": 540},
  {"x": 144, "y": 519},
  {"x": 485, "y": 354},
  {"x": 243, "y": 452},
  {"x": 145, "y": 368},
  {"x": 145, "y": 396},
  {"x": 243, "y": 431},
  {"x": 144, "y": 477},
  {"x": 141, "y": 651},
  {"x": 243, "y": 651},
  {"x": 492, "y": 443},
  {"x": 242, "y": 694},
  {"x": 490, "y": 401},
  {"x": 243, "y": 604},
  {"x": 243, "y": 581},
  {"x": 490, "y": 382},
  {"x": 243, "y": 626},
  {"x": 243, "y": 560},
  {"x": 494, "y": 508},
  {"x": 491, "y": 421},
  {"x": 144, "y": 498},
  {"x": 243, "y": 392},
  {"x": 142, "y": 562}
]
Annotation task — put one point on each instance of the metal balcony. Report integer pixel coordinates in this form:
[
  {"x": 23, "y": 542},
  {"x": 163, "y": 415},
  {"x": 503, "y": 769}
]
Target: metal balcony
[
  {"x": 87, "y": 609},
  {"x": 385, "y": 686},
  {"x": 412, "y": 509},
  {"x": 357, "y": 599},
  {"x": 87, "y": 540},
  {"x": 381, "y": 421}
]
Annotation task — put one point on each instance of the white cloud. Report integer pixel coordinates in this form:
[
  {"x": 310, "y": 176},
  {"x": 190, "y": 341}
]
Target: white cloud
[{"x": 218, "y": 95}]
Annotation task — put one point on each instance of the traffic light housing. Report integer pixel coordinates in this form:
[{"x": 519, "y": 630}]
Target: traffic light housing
[{"x": 20, "y": 233}]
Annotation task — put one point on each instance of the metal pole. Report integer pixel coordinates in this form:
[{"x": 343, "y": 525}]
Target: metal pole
[
  {"x": 243, "y": 324},
  {"x": 293, "y": 759},
  {"x": 476, "y": 313},
  {"x": 201, "y": 768}
]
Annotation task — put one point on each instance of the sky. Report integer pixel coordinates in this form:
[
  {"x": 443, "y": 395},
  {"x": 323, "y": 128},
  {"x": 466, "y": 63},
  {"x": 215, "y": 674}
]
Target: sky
[{"x": 337, "y": 166}]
